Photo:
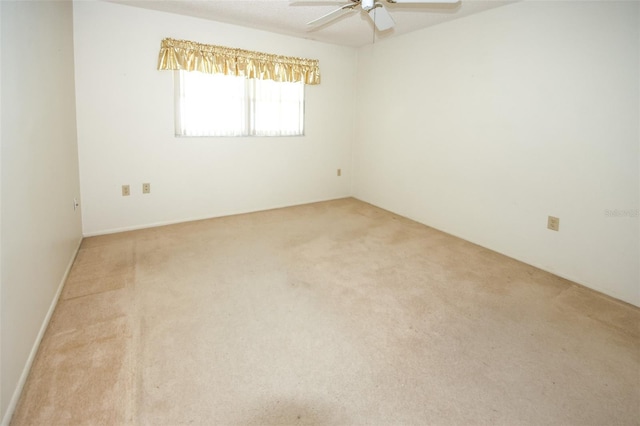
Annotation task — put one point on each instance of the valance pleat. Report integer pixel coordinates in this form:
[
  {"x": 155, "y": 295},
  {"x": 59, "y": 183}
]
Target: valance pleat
[{"x": 207, "y": 58}]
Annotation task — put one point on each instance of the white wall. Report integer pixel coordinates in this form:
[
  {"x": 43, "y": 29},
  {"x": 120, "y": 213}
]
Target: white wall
[
  {"x": 126, "y": 134},
  {"x": 40, "y": 230},
  {"x": 484, "y": 126}
]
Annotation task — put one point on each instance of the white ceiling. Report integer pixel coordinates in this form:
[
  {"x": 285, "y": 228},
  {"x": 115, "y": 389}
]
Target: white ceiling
[{"x": 281, "y": 16}]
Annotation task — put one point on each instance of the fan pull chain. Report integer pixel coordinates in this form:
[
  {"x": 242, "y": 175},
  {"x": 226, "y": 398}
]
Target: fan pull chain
[{"x": 373, "y": 34}]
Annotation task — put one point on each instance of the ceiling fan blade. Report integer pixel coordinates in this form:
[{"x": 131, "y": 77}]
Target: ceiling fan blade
[
  {"x": 332, "y": 15},
  {"x": 381, "y": 18},
  {"x": 422, "y": 1}
]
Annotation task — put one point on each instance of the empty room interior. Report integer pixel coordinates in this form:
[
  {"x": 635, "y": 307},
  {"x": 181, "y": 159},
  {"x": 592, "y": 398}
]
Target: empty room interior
[{"x": 452, "y": 236}]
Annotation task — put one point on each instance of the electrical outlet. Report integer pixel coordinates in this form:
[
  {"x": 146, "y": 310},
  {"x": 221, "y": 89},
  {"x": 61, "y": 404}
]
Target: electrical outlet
[
  {"x": 126, "y": 191},
  {"x": 553, "y": 223},
  {"x": 339, "y": 172},
  {"x": 146, "y": 188}
]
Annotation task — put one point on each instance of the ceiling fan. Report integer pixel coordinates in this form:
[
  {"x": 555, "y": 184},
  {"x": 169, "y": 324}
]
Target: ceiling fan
[{"x": 374, "y": 8}]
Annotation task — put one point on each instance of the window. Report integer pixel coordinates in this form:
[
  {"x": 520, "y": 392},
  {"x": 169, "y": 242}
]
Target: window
[{"x": 228, "y": 105}]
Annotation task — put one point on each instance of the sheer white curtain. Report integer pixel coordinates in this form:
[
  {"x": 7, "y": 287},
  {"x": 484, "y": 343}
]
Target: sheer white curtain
[
  {"x": 277, "y": 109},
  {"x": 226, "y": 105},
  {"x": 210, "y": 105}
]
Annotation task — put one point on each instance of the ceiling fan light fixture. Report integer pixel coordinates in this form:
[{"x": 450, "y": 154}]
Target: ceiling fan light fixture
[
  {"x": 367, "y": 4},
  {"x": 381, "y": 18}
]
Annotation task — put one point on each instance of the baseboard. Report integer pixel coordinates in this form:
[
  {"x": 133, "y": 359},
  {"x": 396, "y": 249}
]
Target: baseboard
[
  {"x": 608, "y": 293},
  {"x": 193, "y": 219},
  {"x": 36, "y": 345}
]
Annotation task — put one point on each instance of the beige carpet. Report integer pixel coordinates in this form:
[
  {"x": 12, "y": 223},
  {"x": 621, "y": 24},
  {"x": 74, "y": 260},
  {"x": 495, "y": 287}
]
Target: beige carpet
[{"x": 329, "y": 313}]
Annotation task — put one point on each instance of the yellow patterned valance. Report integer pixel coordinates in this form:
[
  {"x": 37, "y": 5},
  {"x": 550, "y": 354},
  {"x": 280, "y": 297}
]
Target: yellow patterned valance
[{"x": 192, "y": 56}]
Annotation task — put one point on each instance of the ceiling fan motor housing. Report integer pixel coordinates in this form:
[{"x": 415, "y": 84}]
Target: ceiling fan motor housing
[{"x": 367, "y": 4}]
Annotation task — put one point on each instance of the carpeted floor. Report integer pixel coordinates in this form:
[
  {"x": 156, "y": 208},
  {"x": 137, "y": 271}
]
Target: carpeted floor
[{"x": 329, "y": 313}]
